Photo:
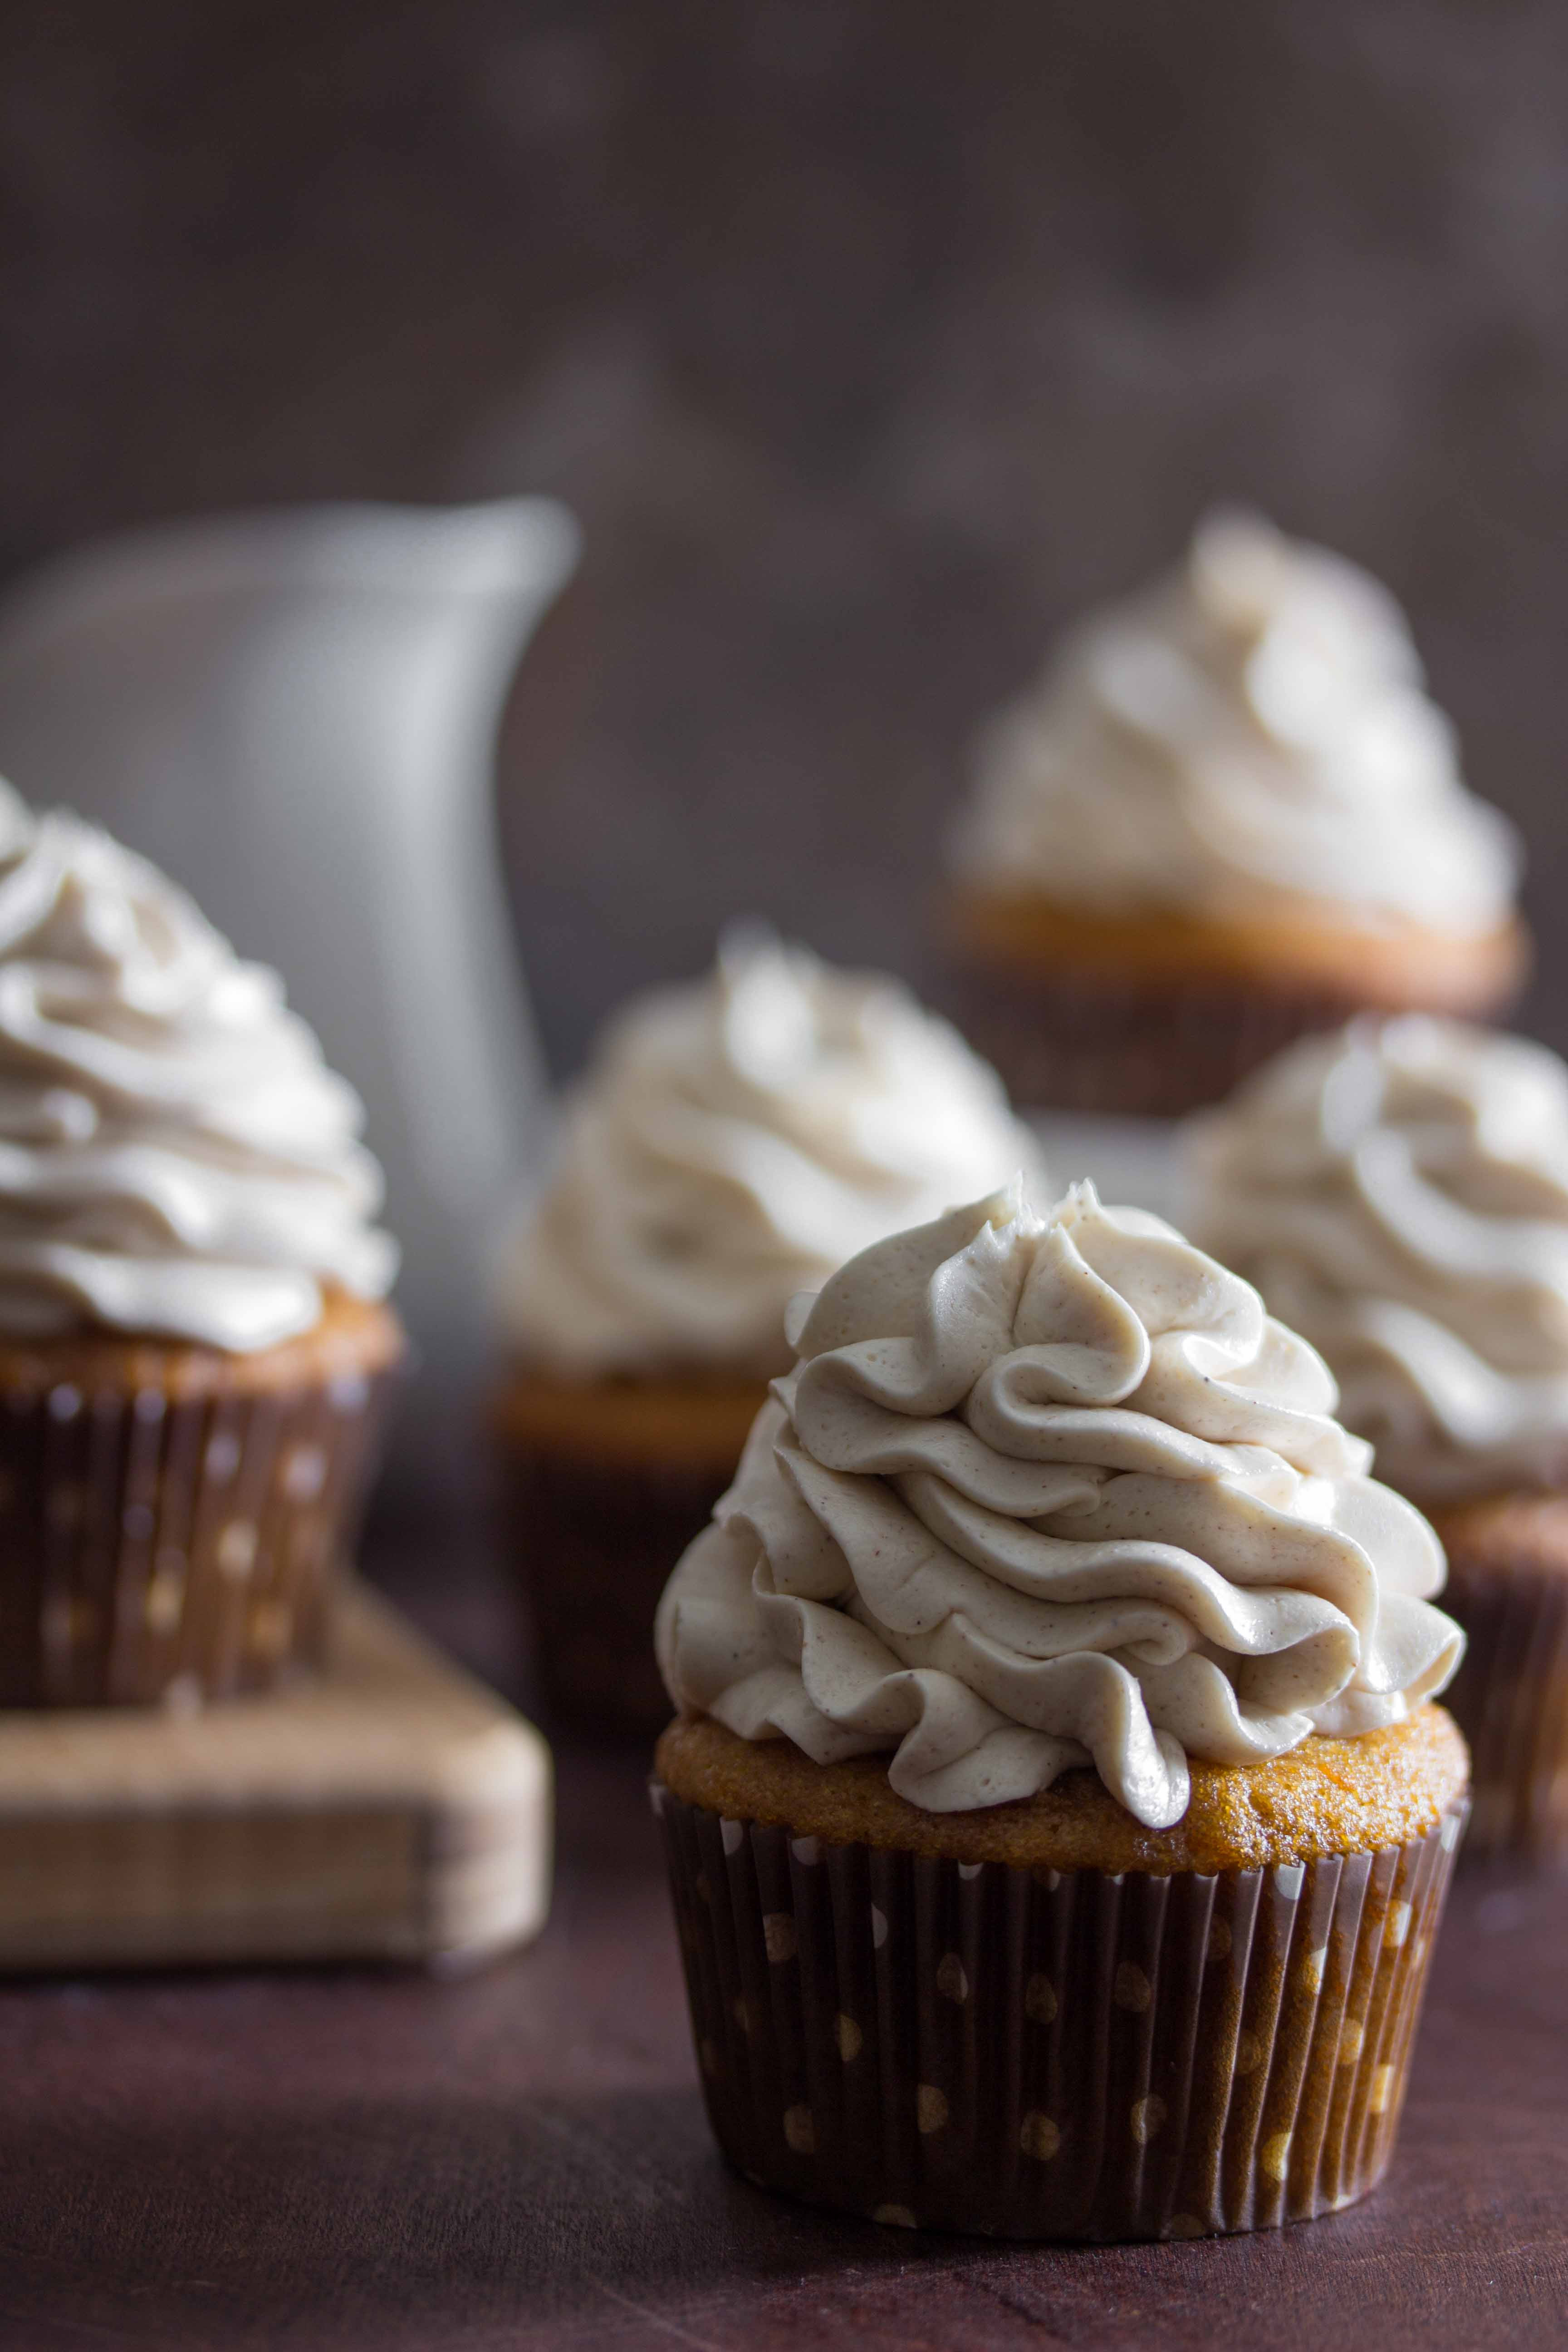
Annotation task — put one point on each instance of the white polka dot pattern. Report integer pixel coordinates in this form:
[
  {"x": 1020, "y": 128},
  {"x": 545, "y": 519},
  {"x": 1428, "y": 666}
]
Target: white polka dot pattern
[
  {"x": 779, "y": 1935},
  {"x": 1052, "y": 2059},
  {"x": 931, "y": 2109},
  {"x": 951, "y": 1980}
]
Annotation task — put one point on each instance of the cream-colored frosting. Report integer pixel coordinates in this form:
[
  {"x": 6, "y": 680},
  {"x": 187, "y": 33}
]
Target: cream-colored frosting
[
  {"x": 1398, "y": 1191},
  {"x": 1251, "y": 733},
  {"x": 736, "y": 1139},
  {"x": 175, "y": 1158},
  {"x": 1043, "y": 1492}
]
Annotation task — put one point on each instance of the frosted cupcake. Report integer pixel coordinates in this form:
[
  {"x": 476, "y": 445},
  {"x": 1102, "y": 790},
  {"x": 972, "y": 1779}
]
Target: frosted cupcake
[
  {"x": 732, "y": 1142},
  {"x": 1399, "y": 1191},
  {"x": 1058, "y": 1822},
  {"x": 194, "y": 1337},
  {"x": 1228, "y": 815}
]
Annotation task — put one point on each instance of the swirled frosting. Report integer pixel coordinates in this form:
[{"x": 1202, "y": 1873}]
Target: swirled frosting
[
  {"x": 735, "y": 1140},
  {"x": 1398, "y": 1191},
  {"x": 1251, "y": 732},
  {"x": 175, "y": 1158},
  {"x": 1052, "y": 1491}
]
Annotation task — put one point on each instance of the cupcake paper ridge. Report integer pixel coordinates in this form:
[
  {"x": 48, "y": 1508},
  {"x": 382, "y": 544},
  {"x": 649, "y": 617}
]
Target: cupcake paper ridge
[{"x": 1047, "y": 1491}]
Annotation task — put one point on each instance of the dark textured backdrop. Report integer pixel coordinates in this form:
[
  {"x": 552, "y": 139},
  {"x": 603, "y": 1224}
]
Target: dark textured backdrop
[{"x": 868, "y": 339}]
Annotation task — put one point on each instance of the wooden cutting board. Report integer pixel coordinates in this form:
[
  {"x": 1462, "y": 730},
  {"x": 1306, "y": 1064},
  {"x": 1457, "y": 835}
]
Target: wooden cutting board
[{"x": 390, "y": 1809}]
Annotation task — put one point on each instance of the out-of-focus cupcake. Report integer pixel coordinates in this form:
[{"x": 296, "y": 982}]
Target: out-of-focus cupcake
[
  {"x": 1228, "y": 815},
  {"x": 733, "y": 1140},
  {"x": 194, "y": 1337},
  {"x": 1398, "y": 1191},
  {"x": 1056, "y": 1822}
]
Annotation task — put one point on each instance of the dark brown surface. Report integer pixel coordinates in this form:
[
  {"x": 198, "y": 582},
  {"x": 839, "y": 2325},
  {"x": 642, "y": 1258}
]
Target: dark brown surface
[{"x": 335, "y": 2160}]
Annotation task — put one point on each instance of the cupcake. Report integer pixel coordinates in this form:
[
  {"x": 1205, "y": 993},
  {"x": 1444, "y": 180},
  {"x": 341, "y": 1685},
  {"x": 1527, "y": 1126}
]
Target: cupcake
[
  {"x": 194, "y": 1337},
  {"x": 1228, "y": 815},
  {"x": 732, "y": 1142},
  {"x": 1398, "y": 1191},
  {"x": 1057, "y": 1820}
]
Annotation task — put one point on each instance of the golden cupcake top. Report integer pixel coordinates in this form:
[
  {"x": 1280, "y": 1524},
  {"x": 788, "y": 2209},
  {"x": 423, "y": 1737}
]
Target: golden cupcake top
[
  {"x": 1326, "y": 1796},
  {"x": 1043, "y": 1491}
]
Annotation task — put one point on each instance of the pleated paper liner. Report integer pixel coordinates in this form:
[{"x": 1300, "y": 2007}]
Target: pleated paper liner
[
  {"x": 1037, "y": 2055},
  {"x": 158, "y": 1549},
  {"x": 594, "y": 1544},
  {"x": 1081, "y": 1041},
  {"x": 1509, "y": 1699}
]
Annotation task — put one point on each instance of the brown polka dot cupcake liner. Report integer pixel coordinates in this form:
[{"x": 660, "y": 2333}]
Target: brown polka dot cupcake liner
[
  {"x": 1047, "y": 2055},
  {"x": 1509, "y": 1699},
  {"x": 161, "y": 1549},
  {"x": 593, "y": 1545},
  {"x": 1081, "y": 1043}
]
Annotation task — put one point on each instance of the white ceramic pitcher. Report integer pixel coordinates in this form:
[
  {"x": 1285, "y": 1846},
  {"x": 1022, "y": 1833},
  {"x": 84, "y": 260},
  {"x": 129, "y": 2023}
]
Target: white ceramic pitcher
[{"x": 294, "y": 714}]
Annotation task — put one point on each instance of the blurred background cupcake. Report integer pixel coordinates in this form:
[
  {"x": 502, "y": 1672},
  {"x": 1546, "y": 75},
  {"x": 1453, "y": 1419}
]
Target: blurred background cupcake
[
  {"x": 1227, "y": 815},
  {"x": 733, "y": 1140},
  {"x": 1057, "y": 1826},
  {"x": 193, "y": 1336},
  {"x": 1398, "y": 1191}
]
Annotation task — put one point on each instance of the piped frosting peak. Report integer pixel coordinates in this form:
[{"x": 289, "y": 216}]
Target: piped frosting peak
[
  {"x": 1399, "y": 1191},
  {"x": 175, "y": 1157},
  {"x": 1046, "y": 1491},
  {"x": 1251, "y": 735},
  {"x": 734, "y": 1140}
]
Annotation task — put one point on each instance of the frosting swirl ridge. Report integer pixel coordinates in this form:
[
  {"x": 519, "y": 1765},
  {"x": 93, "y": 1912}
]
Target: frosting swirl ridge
[
  {"x": 1398, "y": 1191},
  {"x": 1252, "y": 731},
  {"x": 175, "y": 1158},
  {"x": 1046, "y": 1492},
  {"x": 735, "y": 1139}
]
